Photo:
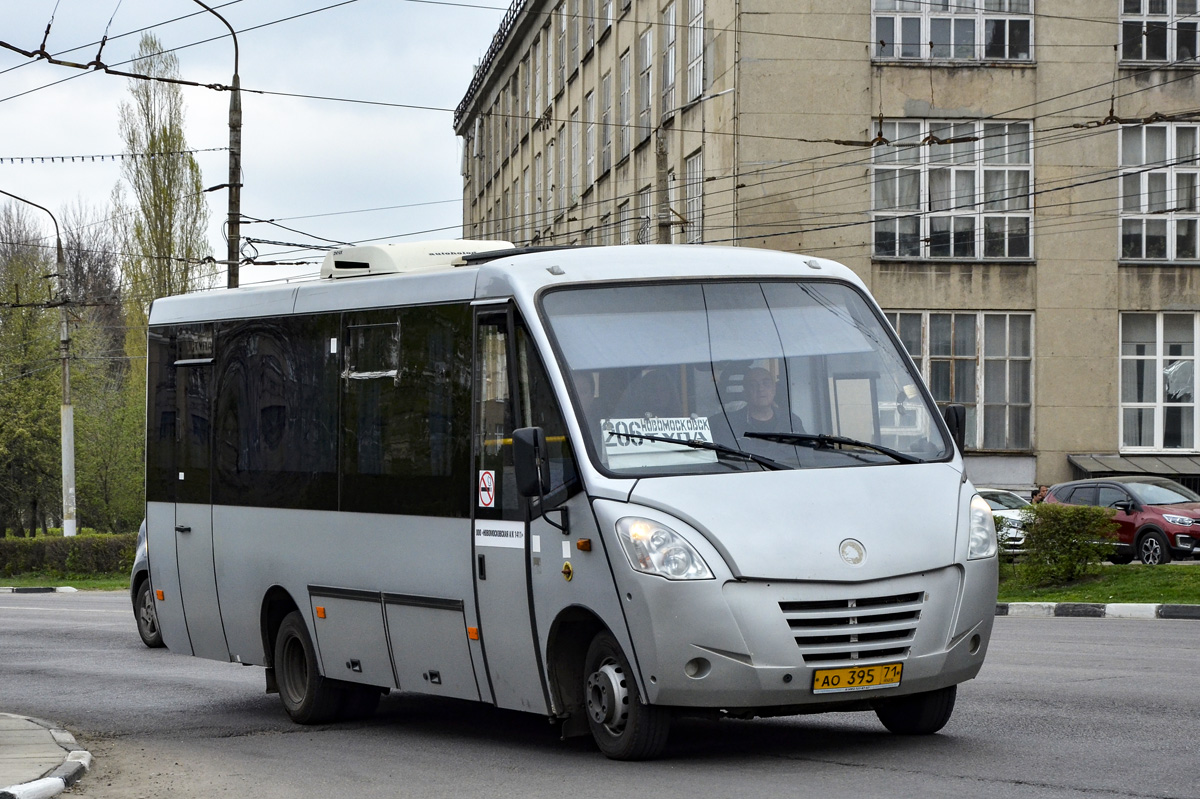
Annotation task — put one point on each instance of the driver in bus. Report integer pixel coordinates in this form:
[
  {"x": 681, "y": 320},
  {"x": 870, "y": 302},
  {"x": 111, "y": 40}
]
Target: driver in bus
[{"x": 762, "y": 414}]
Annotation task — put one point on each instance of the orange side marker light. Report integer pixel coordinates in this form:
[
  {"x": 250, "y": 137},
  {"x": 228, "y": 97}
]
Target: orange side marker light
[
  {"x": 320, "y": 611},
  {"x": 159, "y": 595},
  {"x": 473, "y": 633}
]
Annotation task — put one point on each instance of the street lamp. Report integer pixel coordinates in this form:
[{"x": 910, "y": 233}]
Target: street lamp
[
  {"x": 67, "y": 414},
  {"x": 234, "y": 233}
]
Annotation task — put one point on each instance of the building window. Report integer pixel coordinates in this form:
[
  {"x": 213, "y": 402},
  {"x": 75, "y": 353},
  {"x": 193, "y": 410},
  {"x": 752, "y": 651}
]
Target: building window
[
  {"x": 979, "y": 360},
  {"x": 539, "y": 212},
  {"x": 695, "y": 67},
  {"x": 589, "y": 139},
  {"x": 605, "y": 123},
  {"x": 693, "y": 198},
  {"x": 963, "y": 30},
  {"x": 966, "y": 198},
  {"x": 624, "y": 224},
  {"x": 1158, "y": 30},
  {"x": 535, "y": 78},
  {"x": 1158, "y": 381},
  {"x": 604, "y": 234},
  {"x": 589, "y": 25},
  {"x": 1159, "y": 208},
  {"x": 560, "y": 67},
  {"x": 668, "y": 61},
  {"x": 574, "y": 131},
  {"x": 624, "y": 106},
  {"x": 573, "y": 23},
  {"x": 526, "y": 205},
  {"x": 645, "y": 235},
  {"x": 645, "y": 83},
  {"x": 560, "y": 171},
  {"x": 548, "y": 40},
  {"x": 606, "y": 16}
]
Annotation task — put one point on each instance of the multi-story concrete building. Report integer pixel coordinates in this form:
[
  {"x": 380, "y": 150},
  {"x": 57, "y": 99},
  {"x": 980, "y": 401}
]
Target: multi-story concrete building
[{"x": 1016, "y": 180}]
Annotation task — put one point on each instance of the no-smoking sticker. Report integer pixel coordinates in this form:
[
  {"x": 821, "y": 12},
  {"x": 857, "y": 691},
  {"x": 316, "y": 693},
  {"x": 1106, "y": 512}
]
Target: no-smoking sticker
[{"x": 487, "y": 488}]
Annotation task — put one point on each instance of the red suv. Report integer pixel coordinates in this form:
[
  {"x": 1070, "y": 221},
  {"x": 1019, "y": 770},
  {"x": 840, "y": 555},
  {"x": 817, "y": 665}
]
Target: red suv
[{"x": 1159, "y": 519}]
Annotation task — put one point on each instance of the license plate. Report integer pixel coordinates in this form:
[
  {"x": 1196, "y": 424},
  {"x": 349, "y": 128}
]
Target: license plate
[{"x": 856, "y": 678}]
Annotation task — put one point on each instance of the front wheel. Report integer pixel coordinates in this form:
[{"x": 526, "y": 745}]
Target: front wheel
[
  {"x": 917, "y": 714},
  {"x": 307, "y": 697},
  {"x": 1153, "y": 549},
  {"x": 147, "y": 617},
  {"x": 623, "y": 727}
]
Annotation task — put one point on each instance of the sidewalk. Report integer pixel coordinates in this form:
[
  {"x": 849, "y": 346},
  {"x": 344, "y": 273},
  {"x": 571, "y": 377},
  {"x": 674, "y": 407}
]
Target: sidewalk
[{"x": 36, "y": 760}]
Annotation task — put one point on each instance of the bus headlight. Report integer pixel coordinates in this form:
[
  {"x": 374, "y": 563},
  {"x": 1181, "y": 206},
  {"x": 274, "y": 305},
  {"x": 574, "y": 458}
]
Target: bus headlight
[
  {"x": 653, "y": 548},
  {"x": 983, "y": 530}
]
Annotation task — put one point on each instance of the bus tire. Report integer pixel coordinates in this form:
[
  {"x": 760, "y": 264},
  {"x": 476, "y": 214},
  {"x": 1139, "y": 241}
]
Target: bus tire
[
  {"x": 917, "y": 714},
  {"x": 307, "y": 697},
  {"x": 147, "y": 616},
  {"x": 623, "y": 727}
]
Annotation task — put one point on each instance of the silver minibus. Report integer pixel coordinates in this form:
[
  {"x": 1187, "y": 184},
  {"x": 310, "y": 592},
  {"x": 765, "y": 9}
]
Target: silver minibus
[{"x": 605, "y": 485}]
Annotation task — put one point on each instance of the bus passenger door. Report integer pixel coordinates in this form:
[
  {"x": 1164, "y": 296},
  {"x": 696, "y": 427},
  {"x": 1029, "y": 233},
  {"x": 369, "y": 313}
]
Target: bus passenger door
[
  {"x": 501, "y": 534},
  {"x": 193, "y": 509}
]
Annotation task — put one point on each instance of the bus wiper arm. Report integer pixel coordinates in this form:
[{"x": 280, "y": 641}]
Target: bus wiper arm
[
  {"x": 714, "y": 447},
  {"x": 829, "y": 442}
]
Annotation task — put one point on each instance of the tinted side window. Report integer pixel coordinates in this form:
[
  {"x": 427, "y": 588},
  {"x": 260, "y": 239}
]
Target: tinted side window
[
  {"x": 1083, "y": 495},
  {"x": 1110, "y": 496},
  {"x": 277, "y": 399},
  {"x": 406, "y": 411},
  {"x": 540, "y": 409},
  {"x": 161, "y": 473}
]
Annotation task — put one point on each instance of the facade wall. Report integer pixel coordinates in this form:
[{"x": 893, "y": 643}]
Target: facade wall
[{"x": 814, "y": 113}]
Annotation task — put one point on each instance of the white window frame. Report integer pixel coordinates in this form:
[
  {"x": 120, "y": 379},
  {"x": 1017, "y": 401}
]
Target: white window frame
[
  {"x": 695, "y": 43},
  {"x": 1158, "y": 380},
  {"x": 1159, "y": 31},
  {"x": 624, "y": 105},
  {"x": 589, "y": 139},
  {"x": 535, "y": 66},
  {"x": 693, "y": 197},
  {"x": 539, "y": 206},
  {"x": 574, "y": 132},
  {"x": 967, "y": 200},
  {"x": 985, "y": 363},
  {"x": 644, "y": 209},
  {"x": 606, "y": 123},
  {"x": 1160, "y": 192},
  {"x": 668, "y": 61},
  {"x": 645, "y": 88},
  {"x": 624, "y": 224},
  {"x": 953, "y": 30},
  {"x": 560, "y": 67}
]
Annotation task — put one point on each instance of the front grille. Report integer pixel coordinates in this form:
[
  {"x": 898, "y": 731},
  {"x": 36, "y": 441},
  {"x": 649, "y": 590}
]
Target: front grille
[{"x": 867, "y": 628}]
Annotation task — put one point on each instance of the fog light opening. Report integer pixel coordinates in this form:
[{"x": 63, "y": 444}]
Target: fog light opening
[
  {"x": 973, "y": 647},
  {"x": 697, "y": 668}
]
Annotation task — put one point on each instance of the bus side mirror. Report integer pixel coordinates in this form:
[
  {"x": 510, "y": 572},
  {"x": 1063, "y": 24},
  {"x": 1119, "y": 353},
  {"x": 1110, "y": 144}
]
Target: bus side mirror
[
  {"x": 956, "y": 420},
  {"x": 529, "y": 461}
]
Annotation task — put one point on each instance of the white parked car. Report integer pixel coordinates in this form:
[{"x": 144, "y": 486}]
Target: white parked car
[{"x": 1007, "y": 506}]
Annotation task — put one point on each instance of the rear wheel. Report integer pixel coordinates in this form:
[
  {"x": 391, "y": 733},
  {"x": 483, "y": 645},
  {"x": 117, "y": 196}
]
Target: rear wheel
[
  {"x": 917, "y": 714},
  {"x": 623, "y": 727},
  {"x": 307, "y": 697},
  {"x": 147, "y": 616},
  {"x": 1153, "y": 549}
]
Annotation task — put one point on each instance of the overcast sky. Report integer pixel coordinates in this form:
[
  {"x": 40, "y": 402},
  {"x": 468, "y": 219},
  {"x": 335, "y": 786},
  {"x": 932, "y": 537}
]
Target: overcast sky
[{"x": 306, "y": 163}]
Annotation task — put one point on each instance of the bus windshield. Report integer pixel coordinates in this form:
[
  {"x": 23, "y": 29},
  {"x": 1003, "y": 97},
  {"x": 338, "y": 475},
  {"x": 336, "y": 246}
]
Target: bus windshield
[{"x": 796, "y": 374}]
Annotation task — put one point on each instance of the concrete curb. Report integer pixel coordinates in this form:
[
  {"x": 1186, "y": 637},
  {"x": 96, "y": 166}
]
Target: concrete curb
[
  {"x": 75, "y": 761},
  {"x": 1091, "y": 610},
  {"x": 66, "y": 589}
]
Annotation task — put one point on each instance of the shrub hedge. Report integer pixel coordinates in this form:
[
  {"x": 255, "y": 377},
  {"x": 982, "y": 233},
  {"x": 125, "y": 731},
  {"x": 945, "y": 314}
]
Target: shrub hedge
[
  {"x": 68, "y": 557},
  {"x": 1065, "y": 542}
]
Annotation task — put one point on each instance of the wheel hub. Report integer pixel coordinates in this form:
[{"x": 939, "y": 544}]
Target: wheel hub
[{"x": 608, "y": 697}]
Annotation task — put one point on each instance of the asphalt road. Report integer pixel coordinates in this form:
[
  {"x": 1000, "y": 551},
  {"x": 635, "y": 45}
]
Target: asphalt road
[{"x": 1064, "y": 708}]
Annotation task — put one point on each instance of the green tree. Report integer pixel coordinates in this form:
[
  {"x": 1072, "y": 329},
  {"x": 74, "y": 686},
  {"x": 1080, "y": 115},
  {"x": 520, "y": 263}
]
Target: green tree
[
  {"x": 30, "y": 388},
  {"x": 165, "y": 218}
]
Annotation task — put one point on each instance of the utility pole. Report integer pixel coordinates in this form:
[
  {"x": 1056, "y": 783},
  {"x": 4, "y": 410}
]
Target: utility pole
[
  {"x": 234, "y": 228},
  {"x": 67, "y": 412}
]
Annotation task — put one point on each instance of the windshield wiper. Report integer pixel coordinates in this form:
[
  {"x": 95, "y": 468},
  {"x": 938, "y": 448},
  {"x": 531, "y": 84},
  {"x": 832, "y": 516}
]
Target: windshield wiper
[
  {"x": 714, "y": 447},
  {"x": 829, "y": 442}
]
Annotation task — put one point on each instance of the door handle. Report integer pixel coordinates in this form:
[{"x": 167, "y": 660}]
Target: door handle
[{"x": 181, "y": 528}]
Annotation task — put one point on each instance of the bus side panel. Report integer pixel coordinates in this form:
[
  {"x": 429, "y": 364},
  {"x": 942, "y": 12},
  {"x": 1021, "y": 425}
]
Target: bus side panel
[
  {"x": 429, "y": 649},
  {"x": 164, "y": 575},
  {"x": 259, "y": 548},
  {"x": 350, "y": 637}
]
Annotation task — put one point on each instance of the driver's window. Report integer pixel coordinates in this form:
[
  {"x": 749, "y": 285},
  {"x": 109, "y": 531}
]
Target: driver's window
[{"x": 1109, "y": 497}]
